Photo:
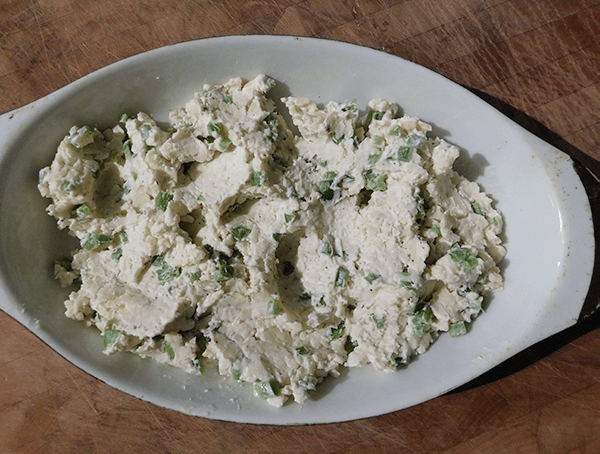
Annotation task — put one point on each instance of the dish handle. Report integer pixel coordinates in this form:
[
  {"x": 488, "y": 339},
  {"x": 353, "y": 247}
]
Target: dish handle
[{"x": 586, "y": 167}]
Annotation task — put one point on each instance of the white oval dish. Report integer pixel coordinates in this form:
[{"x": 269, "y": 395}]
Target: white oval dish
[{"x": 549, "y": 232}]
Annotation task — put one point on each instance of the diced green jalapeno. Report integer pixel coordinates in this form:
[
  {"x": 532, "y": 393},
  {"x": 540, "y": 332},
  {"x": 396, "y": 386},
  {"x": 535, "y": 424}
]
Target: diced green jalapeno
[
  {"x": 337, "y": 138},
  {"x": 417, "y": 141},
  {"x": 215, "y": 128},
  {"x": 96, "y": 240},
  {"x": 81, "y": 212},
  {"x": 269, "y": 82},
  {"x": 379, "y": 321},
  {"x": 349, "y": 106},
  {"x": 478, "y": 209},
  {"x": 266, "y": 389},
  {"x": 198, "y": 364},
  {"x": 302, "y": 350},
  {"x": 464, "y": 257},
  {"x": 327, "y": 250},
  {"x": 341, "y": 276},
  {"x": 374, "y": 158},
  {"x": 378, "y": 142},
  {"x": 421, "y": 320},
  {"x": 273, "y": 307},
  {"x": 256, "y": 178},
  {"x": 66, "y": 186},
  {"x": 165, "y": 271},
  {"x": 396, "y": 131},
  {"x": 110, "y": 337},
  {"x": 324, "y": 188},
  {"x": 224, "y": 144},
  {"x": 407, "y": 285},
  {"x": 82, "y": 137},
  {"x": 117, "y": 253},
  {"x": 420, "y": 202},
  {"x": 144, "y": 131},
  {"x": 457, "y": 329},
  {"x": 169, "y": 351},
  {"x": 310, "y": 383},
  {"x": 375, "y": 182},
  {"x": 371, "y": 277},
  {"x": 162, "y": 200},
  {"x": 337, "y": 332},
  {"x": 223, "y": 271},
  {"x": 373, "y": 115},
  {"x": 476, "y": 304},
  {"x": 127, "y": 149},
  {"x": 404, "y": 154},
  {"x": 240, "y": 232}
]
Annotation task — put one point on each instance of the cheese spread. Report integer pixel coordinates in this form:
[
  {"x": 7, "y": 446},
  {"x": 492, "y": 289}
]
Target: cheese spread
[{"x": 277, "y": 251}]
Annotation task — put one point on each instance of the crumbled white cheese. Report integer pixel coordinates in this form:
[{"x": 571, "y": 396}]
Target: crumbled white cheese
[{"x": 278, "y": 258}]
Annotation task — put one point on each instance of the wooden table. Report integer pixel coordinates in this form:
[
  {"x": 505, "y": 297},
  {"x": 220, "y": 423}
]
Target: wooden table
[{"x": 540, "y": 59}]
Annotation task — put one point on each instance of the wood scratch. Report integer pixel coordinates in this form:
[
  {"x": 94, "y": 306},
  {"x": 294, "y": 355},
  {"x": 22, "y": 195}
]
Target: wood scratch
[
  {"x": 34, "y": 10},
  {"x": 222, "y": 8},
  {"x": 402, "y": 442},
  {"x": 160, "y": 24},
  {"x": 101, "y": 15},
  {"x": 580, "y": 404},
  {"x": 39, "y": 26},
  {"x": 214, "y": 28},
  {"x": 85, "y": 397},
  {"x": 317, "y": 437},
  {"x": 558, "y": 372},
  {"x": 164, "y": 429},
  {"x": 72, "y": 62}
]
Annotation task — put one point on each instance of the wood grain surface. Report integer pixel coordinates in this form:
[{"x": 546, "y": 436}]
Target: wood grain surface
[{"x": 537, "y": 59}]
